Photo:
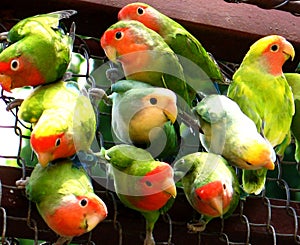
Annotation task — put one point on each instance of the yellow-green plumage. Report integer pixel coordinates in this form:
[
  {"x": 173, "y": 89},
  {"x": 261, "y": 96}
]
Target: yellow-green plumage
[
  {"x": 263, "y": 94},
  {"x": 59, "y": 112}
]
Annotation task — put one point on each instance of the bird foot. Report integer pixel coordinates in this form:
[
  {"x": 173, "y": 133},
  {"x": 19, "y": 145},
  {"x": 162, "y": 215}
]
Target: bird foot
[
  {"x": 15, "y": 103},
  {"x": 113, "y": 74},
  {"x": 21, "y": 183},
  {"x": 3, "y": 35},
  {"x": 63, "y": 241},
  {"x": 97, "y": 94},
  {"x": 197, "y": 226}
]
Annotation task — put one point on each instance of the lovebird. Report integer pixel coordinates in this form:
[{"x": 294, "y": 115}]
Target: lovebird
[
  {"x": 64, "y": 121},
  {"x": 261, "y": 90},
  {"x": 39, "y": 51},
  {"x": 200, "y": 69},
  {"x": 145, "y": 57},
  {"x": 144, "y": 116},
  {"x": 65, "y": 199},
  {"x": 229, "y": 132},
  {"x": 210, "y": 185},
  {"x": 293, "y": 80},
  {"x": 141, "y": 183}
]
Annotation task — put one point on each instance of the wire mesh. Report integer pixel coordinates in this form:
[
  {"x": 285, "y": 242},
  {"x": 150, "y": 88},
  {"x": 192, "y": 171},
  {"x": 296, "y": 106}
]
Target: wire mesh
[{"x": 269, "y": 218}]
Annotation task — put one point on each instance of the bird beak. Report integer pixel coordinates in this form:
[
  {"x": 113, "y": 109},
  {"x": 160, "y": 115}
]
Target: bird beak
[
  {"x": 171, "y": 112},
  {"x": 171, "y": 189},
  {"x": 289, "y": 50},
  {"x": 5, "y": 82},
  {"x": 217, "y": 204},
  {"x": 270, "y": 165},
  {"x": 111, "y": 53},
  {"x": 93, "y": 220},
  {"x": 44, "y": 158}
]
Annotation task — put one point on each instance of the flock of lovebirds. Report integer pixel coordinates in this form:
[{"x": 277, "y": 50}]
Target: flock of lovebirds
[{"x": 170, "y": 92}]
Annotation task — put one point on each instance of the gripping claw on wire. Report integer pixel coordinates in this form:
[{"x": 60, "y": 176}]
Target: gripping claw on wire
[{"x": 15, "y": 103}]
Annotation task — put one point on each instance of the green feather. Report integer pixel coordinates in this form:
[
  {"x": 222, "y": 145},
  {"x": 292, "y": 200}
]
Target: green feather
[
  {"x": 294, "y": 81},
  {"x": 47, "y": 186},
  {"x": 41, "y": 42}
]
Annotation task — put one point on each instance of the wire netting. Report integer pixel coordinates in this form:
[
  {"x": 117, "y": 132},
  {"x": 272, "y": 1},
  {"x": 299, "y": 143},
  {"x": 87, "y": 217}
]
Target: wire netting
[{"x": 269, "y": 218}]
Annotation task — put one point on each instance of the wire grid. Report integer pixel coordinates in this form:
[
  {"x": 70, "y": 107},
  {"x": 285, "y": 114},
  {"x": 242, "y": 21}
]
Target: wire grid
[{"x": 257, "y": 218}]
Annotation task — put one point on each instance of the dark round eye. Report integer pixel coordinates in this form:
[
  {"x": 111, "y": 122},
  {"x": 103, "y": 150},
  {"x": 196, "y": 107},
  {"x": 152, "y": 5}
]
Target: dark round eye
[
  {"x": 224, "y": 186},
  {"x": 14, "y": 65},
  {"x": 153, "y": 101},
  {"x": 274, "y": 48},
  {"x": 119, "y": 35},
  {"x": 140, "y": 11},
  {"x": 83, "y": 202},
  {"x": 57, "y": 142},
  {"x": 148, "y": 183}
]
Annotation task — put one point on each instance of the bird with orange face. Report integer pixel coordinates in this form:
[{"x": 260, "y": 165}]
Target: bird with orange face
[
  {"x": 64, "y": 121},
  {"x": 210, "y": 185},
  {"x": 65, "y": 199},
  {"x": 262, "y": 92},
  {"x": 141, "y": 183},
  {"x": 145, "y": 57},
  {"x": 200, "y": 69},
  {"x": 38, "y": 51}
]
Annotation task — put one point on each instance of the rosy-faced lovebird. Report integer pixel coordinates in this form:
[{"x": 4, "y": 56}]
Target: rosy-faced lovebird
[
  {"x": 229, "y": 132},
  {"x": 260, "y": 89},
  {"x": 144, "y": 116},
  {"x": 39, "y": 51},
  {"x": 64, "y": 121},
  {"x": 210, "y": 185},
  {"x": 145, "y": 57},
  {"x": 65, "y": 199},
  {"x": 199, "y": 67},
  {"x": 142, "y": 183},
  {"x": 293, "y": 80}
]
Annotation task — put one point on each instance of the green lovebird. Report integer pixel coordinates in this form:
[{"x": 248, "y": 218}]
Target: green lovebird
[
  {"x": 199, "y": 67},
  {"x": 141, "y": 183},
  {"x": 229, "y": 132},
  {"x": 144, "y": 116},
  {"x": 293, "y": 80},
  {"x": 260, "y": 89},
  {"x": 145, "y": 57},
  {"x": 64, "y": 121},
  {"x": 209, "y": 183},
  {"x": 65, "y": 199},
  {"x": 39, "y": 51}
]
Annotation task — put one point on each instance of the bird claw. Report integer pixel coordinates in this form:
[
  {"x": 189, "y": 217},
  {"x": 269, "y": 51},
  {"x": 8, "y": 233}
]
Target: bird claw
[
  {"x": 3, "y": 35},
  {"x": 21, "y": 183},
  {"x": 113, "y": 74},
  {"x": 196, "y": 227},
  {"x": 13, "y": 104},
  {"x": 97, "y": 94}
]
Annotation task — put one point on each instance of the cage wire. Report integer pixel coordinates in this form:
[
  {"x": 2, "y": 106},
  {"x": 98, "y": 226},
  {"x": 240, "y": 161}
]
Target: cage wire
[{"x": 272, "y": 216}]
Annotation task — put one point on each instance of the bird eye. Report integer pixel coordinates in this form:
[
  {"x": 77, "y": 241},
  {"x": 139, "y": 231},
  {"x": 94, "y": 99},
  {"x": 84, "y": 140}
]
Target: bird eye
[
  {"x": 14, "y": 65},
  {"x": 57, "y": 142},
  {"x": 153, "y": 101},
  {"x": 119, "y": 35},
  {"x": 83, "y": 202},
  {"x": 148, "y": 183},
  {"x": 274, "y": 48},
  {"x": 140, "y": 11},
  {"x": 224, "y": 186}
]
